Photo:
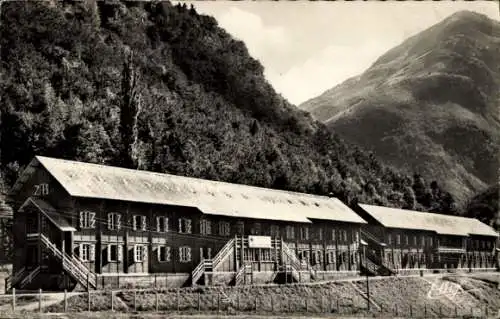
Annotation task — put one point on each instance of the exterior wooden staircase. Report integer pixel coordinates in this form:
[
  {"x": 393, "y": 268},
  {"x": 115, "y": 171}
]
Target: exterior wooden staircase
[
  {"x": 295, "y": 264},
  {"x": 209, "y": 265},
  {"x": 72, "y": 265}
]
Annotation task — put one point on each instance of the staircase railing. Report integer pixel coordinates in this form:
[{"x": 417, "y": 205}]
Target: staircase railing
[
  {"x": 294, "y": 261},
  {"x": 203, "y": 266},
  {"x": 72, "y": 265},
  {"x": 223, "y": 253},
  {"x": 370, "y": 266},
  {"x": 30, "y": 277},
  {"x": 10, "y": 281},
  {"x": 242, "y": 272},
  {"x": 372, "y": 237}
]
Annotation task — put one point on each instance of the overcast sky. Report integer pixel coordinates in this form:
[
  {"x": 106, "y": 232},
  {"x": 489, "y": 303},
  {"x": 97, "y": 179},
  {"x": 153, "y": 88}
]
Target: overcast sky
[{"x": 309, "y": 47}]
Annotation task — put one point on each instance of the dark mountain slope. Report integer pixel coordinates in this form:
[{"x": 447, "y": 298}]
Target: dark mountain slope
[
  {"x": 429, "y": 105},
  {"x": 484, "y": 206},
  {"x": 158, "y": 87}
]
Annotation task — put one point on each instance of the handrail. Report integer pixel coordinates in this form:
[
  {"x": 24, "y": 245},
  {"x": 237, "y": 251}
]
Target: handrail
[
  {"x": 71, "y": 264},
  {"x": 372, "y": 237},
  {"x": 223, "y": 253},
  {"x": 30, "y": 276},
  {"x": 240, "y": 273},
  {"x": 14, "y": 278}
]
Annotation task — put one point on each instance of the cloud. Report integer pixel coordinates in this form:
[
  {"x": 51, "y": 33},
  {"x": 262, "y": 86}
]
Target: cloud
[
  {"x": 263, "y": 41},
  {"x": 325, "y": 69}
]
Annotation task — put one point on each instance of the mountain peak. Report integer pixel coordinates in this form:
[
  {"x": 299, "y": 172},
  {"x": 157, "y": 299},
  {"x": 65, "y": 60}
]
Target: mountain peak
[{"x": 429, "y": 104}]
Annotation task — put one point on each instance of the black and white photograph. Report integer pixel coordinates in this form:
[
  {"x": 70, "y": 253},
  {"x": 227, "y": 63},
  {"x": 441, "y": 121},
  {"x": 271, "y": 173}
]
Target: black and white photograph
[{"x": 249, "y": 159}]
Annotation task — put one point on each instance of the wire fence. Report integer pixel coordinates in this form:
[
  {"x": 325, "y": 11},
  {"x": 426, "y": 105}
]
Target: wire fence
[{"x": 215, "y": 301}]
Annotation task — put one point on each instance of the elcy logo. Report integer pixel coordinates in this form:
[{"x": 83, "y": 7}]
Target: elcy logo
[{"x": 443, "y": 289}]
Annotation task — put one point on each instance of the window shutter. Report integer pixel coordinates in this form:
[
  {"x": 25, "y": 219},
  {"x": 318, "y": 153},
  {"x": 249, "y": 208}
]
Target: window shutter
[
  {"x": 92, "y": 252},
  {"x": 201, "y": 253},
  {"x": 143, "y": 219},
  {"x": 158, "y": 253},
  {"x": 166, "y": 224},
  {"x": 81, "y": 219},
  {"x": 109, "y": 253},
  {"x": 157, "y": 223},
  {"x": 144, "y": 253},
  {"x": 118, "y": 221},
  {"x": 120, "y": 252},
  {"x": 209, "y": 253},
  {"x": 109, "y": 220},
  {"x": 134, "y": 223},
  {"x": 80, "y": 251},
  {"x": 188, "y": 253},
  {"x": 92, "y": 219},
  {"x": 180, "y": 225}
]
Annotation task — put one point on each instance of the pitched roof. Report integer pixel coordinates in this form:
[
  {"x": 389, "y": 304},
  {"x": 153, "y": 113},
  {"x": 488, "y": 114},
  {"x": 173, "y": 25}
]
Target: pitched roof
[
  {"x": 439, "y": 223},
  {"x": 58, "y": 219},
  {"x": 210, "y": 197}
]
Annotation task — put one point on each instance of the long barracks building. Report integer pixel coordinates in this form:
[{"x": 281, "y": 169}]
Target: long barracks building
[{"x": 91, "y": 226}]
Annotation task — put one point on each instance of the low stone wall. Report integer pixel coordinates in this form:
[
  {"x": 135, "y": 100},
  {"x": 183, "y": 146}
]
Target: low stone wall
[
  {"x": 424, "y": 271},
  {"x": 107, "y": 281}
]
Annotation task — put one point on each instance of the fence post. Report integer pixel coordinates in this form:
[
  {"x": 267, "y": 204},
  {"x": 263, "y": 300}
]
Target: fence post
[
  {"x": 272, "y": 304},
  {"x": 307, "y": 306},
  {"x": 256, "y": 304},
  {"x": 88, "y": 299},
  {"x": 218, "y": 302},
  {"x": 456, "y": 311},
  {"x": 135, "y": 300},
  {"x": 13, "y": 299},
  {"x": 238, "y": 301},
  {"x": 337, "y": 303},
  {"x": 39, "y": 300},
  {"x": 411, "y": 311},
  {"x": 65, "y": 300},
  {"x": 199, "y": 301},
  {"x": 112, "y": 300},
  {"x": 156, "y": 299},
  {"x": 425, "y": 311},
  {"x": 396, "y": 309},
  {"x": 178, "y": 299}
]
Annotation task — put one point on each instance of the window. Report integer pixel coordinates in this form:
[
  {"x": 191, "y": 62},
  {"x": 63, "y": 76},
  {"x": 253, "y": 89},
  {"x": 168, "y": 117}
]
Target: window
[
  {"x": 207, "y": 255},
  {"x": 331, "y": 257},
  {"x": 398, "y": 239},
  {"x": 114, "y": 221},
  {"x": 140, "y": 253},
  {"x": 320, "y": 234},
  {"x": 389, "y": 239},
  {"x": 423, "y": 241},
  {"x": 185, "y": 254},
  {"x": 115, "y": 252},
  {"x": 430, "y": 241},
  {"x": 205, "y": 227},
  {"x": 275, "y": 230},
  {"x": 317, "y": 257},
  {"x": 161, "y": 224},
  {"x": 185, "y": 225},
  {"x": 334, "y": 235},
  {"x": 87, "y": 252},
  {"x": 304, "y": 233},
  {"x": 344, "y": 234},
  {"x": 290, "y": 232},
  {"x": 87, "y": 219},
  {"x": 240, "y": 227},
  {"x": 139, "y": 222},
  {"x": 356, "y": 236},
  {"x": 163, "y": 253},
  {"x": 224, "y": 228},
  {"x": 414, "y": 240},
  {"x": 255, "y": 229},
  {"x": 407, "y": 242}
]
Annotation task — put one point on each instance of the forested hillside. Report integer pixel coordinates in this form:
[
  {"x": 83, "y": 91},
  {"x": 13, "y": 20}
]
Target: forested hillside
[{"x": 153, "y": 86}]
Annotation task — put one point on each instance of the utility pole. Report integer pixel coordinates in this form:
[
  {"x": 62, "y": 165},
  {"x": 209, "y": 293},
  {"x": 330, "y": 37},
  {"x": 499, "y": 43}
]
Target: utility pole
[{"x": 367, "y": 280}]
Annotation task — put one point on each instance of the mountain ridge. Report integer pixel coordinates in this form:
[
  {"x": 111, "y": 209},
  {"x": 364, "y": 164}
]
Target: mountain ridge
[{"x": 428, "y": 104}]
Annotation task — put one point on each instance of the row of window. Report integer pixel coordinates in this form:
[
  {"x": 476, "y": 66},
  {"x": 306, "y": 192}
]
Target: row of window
[
  {"x": 139, "y": 222},
  {"x": 115, "y": 253},
  {"x": 407, "y": 240}
]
